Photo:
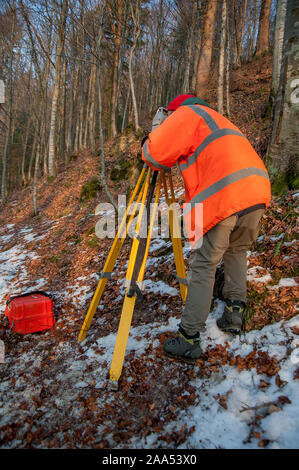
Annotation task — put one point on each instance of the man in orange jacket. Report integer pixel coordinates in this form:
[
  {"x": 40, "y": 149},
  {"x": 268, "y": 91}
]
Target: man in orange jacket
[{"x": 221, "y": 171}]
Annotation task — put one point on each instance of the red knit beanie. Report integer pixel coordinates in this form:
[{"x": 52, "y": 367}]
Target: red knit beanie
[{"x": 177, "y": 102}]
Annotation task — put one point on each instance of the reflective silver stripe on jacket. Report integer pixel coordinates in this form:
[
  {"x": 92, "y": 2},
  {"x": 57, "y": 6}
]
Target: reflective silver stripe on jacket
[
  {"x": 213, "y": 136},
  {"x": 221, "y": 184},
  {"x": 206, "y": 117},
  {"x": 151, "y": 159}
]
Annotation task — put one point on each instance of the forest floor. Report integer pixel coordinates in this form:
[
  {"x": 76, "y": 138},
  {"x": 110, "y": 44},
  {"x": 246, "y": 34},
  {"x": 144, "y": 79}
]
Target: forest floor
[{"x": 54, "y": 391}]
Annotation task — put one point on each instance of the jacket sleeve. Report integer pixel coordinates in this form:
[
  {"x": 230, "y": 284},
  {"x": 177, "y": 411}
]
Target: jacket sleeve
[{"x": 173, "y": 139}]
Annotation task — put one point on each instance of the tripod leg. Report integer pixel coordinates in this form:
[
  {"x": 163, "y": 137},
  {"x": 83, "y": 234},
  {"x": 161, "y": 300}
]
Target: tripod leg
[
  {"x": 139, "y": 221},
  {"x": 175, "y": 234},
  {"x": 151, "y": 227},
  {"x": 128, "y": 306},
  {"x": 112, "y": 257}
]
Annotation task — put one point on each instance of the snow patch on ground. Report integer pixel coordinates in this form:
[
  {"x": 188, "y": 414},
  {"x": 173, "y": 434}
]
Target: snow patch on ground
[
  {"x": 252, "y": 275},
  {"x": 285, "y": 282},
  {"x": 80, "y": 291},
  {"x": 13, "y": 273},
  {"x": 159, "y": 287}
]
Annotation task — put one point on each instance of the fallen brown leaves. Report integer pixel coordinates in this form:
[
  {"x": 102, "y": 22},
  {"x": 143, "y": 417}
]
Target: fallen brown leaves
[
  {"x": 222, "y": 399},
  {"x": 261, "y": 360},
  {"x": 219, "y": 355}
]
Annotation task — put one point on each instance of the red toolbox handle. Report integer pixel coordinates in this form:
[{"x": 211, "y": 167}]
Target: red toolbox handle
[{"x": 28, "y": 293}]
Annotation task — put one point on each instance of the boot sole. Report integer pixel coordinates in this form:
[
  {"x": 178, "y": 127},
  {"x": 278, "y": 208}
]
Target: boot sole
[
  {"x": 233, "y": 331},
  {"x": 180, "y": 358}
]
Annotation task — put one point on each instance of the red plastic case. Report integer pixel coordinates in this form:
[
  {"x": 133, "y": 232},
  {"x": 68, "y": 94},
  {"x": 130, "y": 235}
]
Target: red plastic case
[{"x": 30, "y": 313}]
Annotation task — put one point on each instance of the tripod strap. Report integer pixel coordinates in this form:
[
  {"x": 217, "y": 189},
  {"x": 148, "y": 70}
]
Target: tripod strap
[
  {"x": 105, "y": 274},
  {"x": 182, "y": 280}
]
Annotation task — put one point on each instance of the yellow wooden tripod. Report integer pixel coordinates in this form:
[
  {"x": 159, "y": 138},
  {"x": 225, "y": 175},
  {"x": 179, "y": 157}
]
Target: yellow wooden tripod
[{"x": 137, "y": 260}]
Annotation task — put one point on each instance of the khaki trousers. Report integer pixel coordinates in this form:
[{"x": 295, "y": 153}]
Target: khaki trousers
[{"x": 228, "y": 240}]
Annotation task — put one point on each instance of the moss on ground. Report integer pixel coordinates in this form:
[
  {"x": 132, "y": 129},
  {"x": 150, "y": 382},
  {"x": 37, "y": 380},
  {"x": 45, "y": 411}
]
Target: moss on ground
[
  {"x": 92, "y": 242},
  {"x": 90, "y": 190},
  {"x": 121, "y": 171}
]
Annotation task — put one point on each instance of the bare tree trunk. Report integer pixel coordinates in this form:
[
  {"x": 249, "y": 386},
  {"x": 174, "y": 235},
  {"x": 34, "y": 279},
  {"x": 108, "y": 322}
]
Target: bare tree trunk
[
  {"x": 242, "y": 26},
  {"x": 60, "y": 45},
  {"x": 196, "y": 60},
  {"x": 44, "y": 144},
  {"x": 278, "y": 45},
  {"x": 237, "y": 54},
  {"x": 189, "y": 50},
  {"x": 82, "y": 106},
  {"x": 36, "y": 167},
  {"x": 117, "y": 35},
  {"x": 45, "y": 147},
  {"x": 10, "y": 104},
  {"x": 136, "y": 34},
  {"x": 284, "y": 145},
  {"x": 256, "y": 21},
  {"x": 103, "y": 170},
  {"x": 77, "y": 101},
  {"x": 227, "y": 66},
  {"x": 88, "y": 105},
  {"x": 33, "y": 150},
  {"x": 63, "y": 113},
  {"x": 204, "y": 64},
  {"x": 123, "y": 47},
  {"x": 25, "y": 150},
  {"x": 4, "y": 161},
  {"x": 221, "y": 60},
  {"x": 41, "y": 136},
  {"x": 125, "y": 110},
  {"x": 91, "y": 110},
  {"x": 71, "y": 108},
  {"x": 263, "y": 34},
  {"x": 77, "y": 127}
]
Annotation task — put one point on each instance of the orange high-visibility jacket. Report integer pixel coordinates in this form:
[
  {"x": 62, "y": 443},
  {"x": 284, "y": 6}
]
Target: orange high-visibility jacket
[{"x": 219, "y": 166}]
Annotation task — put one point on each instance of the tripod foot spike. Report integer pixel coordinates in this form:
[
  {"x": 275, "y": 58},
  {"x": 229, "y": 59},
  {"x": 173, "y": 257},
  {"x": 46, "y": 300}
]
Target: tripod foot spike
[{"x": 113, "y": 385}]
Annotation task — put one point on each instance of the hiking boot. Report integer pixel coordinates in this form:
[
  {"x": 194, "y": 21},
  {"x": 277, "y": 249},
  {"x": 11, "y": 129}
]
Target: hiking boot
[
  {"x": 232, "y": 318},
  {"x": 184, "y": 347}
]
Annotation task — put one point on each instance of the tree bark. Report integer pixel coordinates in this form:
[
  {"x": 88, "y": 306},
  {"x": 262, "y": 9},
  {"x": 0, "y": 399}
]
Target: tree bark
[
  {"x": 203, "y": 70},
  {"x": 237, "y": 54},
  {"x": 71, "y": 108},
  {"x": 221, "y": 60},
  {"x": 263, "y": 34},
  {"x": 256, "y": 20},
  {"x": 117, "y": 35},
  {"x": 278, "y": 46},
  {"x": 125, "y": 111},
  {"x": 36, "y": 167},
  {"x": 100, "y": 111},
  {"x": 283, "y": 150},
  {"x": 10, "y": 105},
  {"x": 60, "y": 46},
  {"x": 196, "y": 60},
  {"x": 136, "y": 34},
  {"x": 25, "y": 150},
  {"x": 227, "y": 66},
  {"x": 186, "y": 88},
  {"x": 91, "y": 111},
  {"x": 88, "y": 106},
  {"x": 63, "y": 113}
]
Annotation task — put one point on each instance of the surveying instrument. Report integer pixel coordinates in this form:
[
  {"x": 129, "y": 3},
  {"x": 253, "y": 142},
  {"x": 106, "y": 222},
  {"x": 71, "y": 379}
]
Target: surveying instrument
[{"x": 149, "y": 181}]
